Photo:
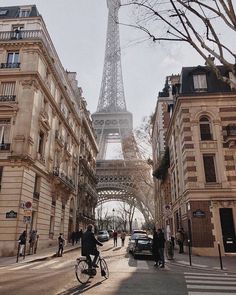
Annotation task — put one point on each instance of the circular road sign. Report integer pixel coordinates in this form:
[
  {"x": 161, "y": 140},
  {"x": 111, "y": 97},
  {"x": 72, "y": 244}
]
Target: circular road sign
[{"x": 28, "y": 205}]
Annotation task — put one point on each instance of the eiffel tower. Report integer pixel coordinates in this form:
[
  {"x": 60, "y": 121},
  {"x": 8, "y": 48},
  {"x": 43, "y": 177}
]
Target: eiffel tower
[{"x": 114, "y": 123}]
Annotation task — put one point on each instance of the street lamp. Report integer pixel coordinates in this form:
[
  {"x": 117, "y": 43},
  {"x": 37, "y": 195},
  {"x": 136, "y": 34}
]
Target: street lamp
[{"x": 113, "y": 210}]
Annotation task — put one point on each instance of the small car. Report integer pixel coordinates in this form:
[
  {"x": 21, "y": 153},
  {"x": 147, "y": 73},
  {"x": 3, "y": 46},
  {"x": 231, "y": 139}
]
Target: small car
[
  {"x": 110, "y": 231},
  {"x": 103, "y": 236},
  {"x": 140, "y": 244}
]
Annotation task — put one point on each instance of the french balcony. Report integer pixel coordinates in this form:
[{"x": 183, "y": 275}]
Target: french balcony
[
  {"x": 10, "y": 65},
  {"x": 5, "y": 146},
  {"x": 7, "y": 98},
  {"x": 62, "y": 179}
]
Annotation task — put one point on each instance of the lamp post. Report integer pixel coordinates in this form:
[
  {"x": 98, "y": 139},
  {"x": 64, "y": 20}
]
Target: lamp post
[{"x": 113, "y": 210}]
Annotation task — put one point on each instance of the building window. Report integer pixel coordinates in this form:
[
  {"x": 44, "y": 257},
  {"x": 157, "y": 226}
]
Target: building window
[
  {"x": 41, "y": 143},
  {"x": 16, "y": 32},
  {"x": 13, "y": 57},
  {"x": 24, "y": 13},
  {"x": 200, "y": 82},
  {"x": 7, "y": 91},
  {"x": 37, "y": 183},
  {"x": 51, "y": 226},
  {"x": 5, "y": 127},
  {"x": 205, "y": 129},
  {"x": 209, "y": 168}
]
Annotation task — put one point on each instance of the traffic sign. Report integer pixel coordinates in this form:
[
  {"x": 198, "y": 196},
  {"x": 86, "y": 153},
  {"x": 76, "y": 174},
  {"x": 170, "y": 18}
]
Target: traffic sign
[{"x": 28, "y": 205}]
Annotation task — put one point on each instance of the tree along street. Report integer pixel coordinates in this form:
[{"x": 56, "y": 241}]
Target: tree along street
[{"x": 127, "y": 276}]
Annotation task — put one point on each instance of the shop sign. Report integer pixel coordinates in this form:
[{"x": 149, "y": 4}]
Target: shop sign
[
  {"x": 199, "y": 213},
  {"x": 11, "y": 214}
]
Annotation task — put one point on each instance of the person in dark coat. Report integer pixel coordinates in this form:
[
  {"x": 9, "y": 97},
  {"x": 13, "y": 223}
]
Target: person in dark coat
[
  {"x": 89, "y": 246},
  {"x": 155, "y": 250},
  {"x": 22, "y": 242},
  {"x": 161, "y": 245}
]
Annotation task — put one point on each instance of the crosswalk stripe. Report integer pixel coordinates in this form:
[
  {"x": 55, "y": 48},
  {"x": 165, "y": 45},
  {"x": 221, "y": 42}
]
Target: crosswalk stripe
[
  {"x": 59, "y": 265},
  {"x": 210, "y": 282},
  {"x": 24, "y": 266},
  {"x": 45, "y": 264},
  {"x": 209, "y": 274},
  {"x": 211, "y": 287},
  {"x": 210, "y": 293},
  {"x": 193, "y": 264},
  {"x": 207, "y": 278}
]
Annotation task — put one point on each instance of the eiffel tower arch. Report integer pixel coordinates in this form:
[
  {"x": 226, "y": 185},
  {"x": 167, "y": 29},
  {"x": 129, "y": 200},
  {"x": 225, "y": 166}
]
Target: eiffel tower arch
[{"x": 117, "y": 178}]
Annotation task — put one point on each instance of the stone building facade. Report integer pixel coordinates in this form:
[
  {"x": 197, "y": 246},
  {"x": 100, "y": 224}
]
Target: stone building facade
[
  {"x": 43, "y": 121},
  {"x": 202, "y": 143}
]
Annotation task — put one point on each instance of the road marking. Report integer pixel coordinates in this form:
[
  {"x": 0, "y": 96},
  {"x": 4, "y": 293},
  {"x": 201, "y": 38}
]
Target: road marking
[
  {"x": 210, "y": 282},
  {"x": 24, "y": 266},
  {"x": 59, "y": 265},
  {"x": 211, "y": 287},
  {"x": 45, "y": 264},
  {"x": 210, "y": 293},
  {"x": 206, "y": 278},
  {"x": 209, "y": 274}
]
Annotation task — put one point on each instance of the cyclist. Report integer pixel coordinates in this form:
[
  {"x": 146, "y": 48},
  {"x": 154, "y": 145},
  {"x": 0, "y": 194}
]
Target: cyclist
[{"x": 89, "y": 246}]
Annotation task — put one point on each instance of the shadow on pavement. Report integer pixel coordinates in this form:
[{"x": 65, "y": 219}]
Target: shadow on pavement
[
  {"x": 107, "y": 249},
  {"x": 81, "y": 289},
  {"x": 117, "y": 248}
]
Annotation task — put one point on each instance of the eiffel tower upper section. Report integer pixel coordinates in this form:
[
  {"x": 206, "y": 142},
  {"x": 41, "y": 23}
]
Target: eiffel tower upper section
[
  {"x": 112, "y": 118},
  {"x": 112, "y": 98}
]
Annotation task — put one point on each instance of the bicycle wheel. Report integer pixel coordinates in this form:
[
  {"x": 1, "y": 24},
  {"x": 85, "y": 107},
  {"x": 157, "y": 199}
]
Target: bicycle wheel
[
  {"x": 104, "y": 268},
  {"x": 82, "y": 271}
]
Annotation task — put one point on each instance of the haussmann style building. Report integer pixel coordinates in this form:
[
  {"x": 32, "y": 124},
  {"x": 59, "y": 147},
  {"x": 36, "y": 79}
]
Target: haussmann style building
[
  {"x": 201, "y": 138},
  {"x": 45, "y": 129}
]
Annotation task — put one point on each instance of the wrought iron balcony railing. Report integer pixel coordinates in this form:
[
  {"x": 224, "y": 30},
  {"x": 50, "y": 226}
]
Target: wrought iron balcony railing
[
  {"x": 7, "y": 98},
  {"x": 10, "y": 65},
  {"x": 63, "y": 178}
]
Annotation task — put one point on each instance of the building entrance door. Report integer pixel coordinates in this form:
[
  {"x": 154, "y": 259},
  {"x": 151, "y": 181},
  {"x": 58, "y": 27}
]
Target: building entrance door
[{"x": 228, "y": 229}]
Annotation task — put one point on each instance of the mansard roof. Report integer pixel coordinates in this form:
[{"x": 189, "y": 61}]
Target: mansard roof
[
  {"x": 214, "y": 85},
  {"x": 13, "y": 11}
]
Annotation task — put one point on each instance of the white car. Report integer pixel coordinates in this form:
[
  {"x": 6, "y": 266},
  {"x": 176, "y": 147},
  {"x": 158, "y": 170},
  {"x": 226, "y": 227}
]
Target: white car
[{"x": 103, "y": 235}]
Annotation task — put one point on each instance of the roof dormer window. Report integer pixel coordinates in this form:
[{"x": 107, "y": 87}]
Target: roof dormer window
[
  {"x": 200, "y": 82},
  {"x": 24, "y": 13},
  {"x": 3, "y": 11}
]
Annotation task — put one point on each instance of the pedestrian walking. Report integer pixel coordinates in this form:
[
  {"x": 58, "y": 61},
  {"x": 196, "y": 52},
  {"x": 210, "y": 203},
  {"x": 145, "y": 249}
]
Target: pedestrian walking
[
  {"x": 61, "y": 243},
  {"x": 161, "y": 246},
  {"x": 115, "y": 234},
  {"x": 73, "y": 238},
  {"x": 122, "y": 236},
  {"x": 155, "y": 251},
  {"x": 32, "y": 241},
  {"x": 22, "y": 243},
  {"x": 180, "y": 237}
]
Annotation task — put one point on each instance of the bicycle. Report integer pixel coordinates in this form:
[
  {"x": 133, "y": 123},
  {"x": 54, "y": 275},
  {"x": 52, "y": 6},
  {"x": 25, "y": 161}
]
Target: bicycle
[{"x": 84, "y": 273}]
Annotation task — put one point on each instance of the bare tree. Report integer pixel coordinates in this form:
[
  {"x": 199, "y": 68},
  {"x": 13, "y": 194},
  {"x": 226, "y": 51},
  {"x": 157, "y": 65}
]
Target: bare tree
[{"x": 203, "y": 24}]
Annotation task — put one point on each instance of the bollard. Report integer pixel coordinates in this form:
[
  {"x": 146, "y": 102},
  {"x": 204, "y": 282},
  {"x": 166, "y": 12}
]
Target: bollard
[
  {"x": 189, "y": 253},
  {"x": 220, "y": 257}
]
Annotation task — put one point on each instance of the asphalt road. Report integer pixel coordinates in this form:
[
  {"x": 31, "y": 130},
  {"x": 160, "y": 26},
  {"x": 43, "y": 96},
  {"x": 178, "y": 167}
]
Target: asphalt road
[{"x": 127, "y": 276}]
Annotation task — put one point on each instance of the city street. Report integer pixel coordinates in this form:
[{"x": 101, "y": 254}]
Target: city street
[{"x": 56, "y": 276}]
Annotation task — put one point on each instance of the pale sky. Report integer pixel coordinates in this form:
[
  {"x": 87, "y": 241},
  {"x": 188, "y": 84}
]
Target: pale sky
[{"x": 78, "y": 30}]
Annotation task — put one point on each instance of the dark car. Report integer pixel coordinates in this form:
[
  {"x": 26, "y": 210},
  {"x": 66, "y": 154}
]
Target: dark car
[{"x": 140, "y": 244}]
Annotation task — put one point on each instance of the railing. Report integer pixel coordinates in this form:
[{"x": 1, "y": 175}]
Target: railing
[
  {"x": 10, "y": 65},
  {"x": 64, "y": 178},
  {"x": 5, "y": 146},
  {"x": 7, "y": 98}
]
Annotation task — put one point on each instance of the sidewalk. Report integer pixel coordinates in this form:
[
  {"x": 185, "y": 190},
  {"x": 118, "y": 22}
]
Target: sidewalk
[
  {"x": 42, "y": 254},
  {"x": 204, "y": 262}
]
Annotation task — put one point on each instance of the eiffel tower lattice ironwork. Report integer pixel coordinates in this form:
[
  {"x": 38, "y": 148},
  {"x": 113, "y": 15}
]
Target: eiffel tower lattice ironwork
[{"x": 112, "y": 122}]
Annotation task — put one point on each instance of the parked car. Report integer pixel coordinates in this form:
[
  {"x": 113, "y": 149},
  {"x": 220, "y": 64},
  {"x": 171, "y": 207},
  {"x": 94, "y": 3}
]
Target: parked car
[
  {"x": 140, "y": 244},
  {"x": 139, "y": 231},
  {"x": 103, "y": 235}
]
